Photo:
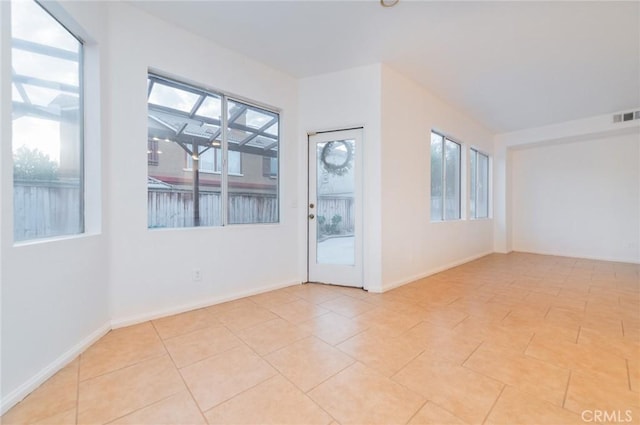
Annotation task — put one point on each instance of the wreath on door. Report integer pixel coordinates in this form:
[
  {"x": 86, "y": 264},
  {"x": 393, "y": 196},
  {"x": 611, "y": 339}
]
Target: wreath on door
[{"x": 337, "y": 168}]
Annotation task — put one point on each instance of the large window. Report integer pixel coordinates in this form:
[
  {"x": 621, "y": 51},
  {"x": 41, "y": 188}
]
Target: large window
[
  {"x": 210, "y": 167},
  {"x": 479, "y": 185},
  {"x": 47, "y": 142},
  {"x": 445, "y": 178}
]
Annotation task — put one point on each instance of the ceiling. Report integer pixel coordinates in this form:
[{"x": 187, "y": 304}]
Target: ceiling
[{"x": 510, "y": 64}]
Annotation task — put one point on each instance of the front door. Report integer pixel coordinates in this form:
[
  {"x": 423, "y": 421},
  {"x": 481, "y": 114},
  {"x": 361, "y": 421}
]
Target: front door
[{"x": 335, "y": 208}]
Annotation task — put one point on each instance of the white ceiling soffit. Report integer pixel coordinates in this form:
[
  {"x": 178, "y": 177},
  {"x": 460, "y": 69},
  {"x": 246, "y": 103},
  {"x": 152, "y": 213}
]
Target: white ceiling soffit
[{"x": 510, "y": 64}]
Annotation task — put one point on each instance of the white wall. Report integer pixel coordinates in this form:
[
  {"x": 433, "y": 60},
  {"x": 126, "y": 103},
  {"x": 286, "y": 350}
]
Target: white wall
[
  {"x": 578, "y": 199},
  {"x": 400, "y": 242},
  {"x": 412, "y": 245},
  {"x": 57, "y": 296},
  {"x": 586, "y": 130},
  {"x": 337, "y": 101},
  {"x": 54, "y": 293},
  {"x": 151, "y": 270}
]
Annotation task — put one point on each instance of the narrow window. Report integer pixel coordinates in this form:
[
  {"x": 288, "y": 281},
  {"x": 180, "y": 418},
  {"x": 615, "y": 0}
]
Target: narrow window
[
  {"x": 445, "y": 178},
  {"x": 479, "y": 184},
  {"x": 47, "y": 133},
  {"x": 209, "y": 173}
]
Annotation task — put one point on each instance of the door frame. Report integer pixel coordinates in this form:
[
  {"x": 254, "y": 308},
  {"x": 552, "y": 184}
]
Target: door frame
[{"x": 359, "y": 210}]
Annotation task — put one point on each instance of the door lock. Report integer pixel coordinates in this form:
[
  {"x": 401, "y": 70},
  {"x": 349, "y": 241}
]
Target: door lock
[
  {"x": 311, "y": 216},
  {"x": 311, "y": 205}
]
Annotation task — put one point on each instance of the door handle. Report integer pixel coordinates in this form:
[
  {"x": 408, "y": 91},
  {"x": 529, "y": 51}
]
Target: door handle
[{"x": 311, "y": 216}]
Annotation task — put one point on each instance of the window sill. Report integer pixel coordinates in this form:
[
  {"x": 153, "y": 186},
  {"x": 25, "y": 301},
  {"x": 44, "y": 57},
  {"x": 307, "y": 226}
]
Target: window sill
[
  {"x": 55, "y": 239},
  {"x": 213, "y": 226}
]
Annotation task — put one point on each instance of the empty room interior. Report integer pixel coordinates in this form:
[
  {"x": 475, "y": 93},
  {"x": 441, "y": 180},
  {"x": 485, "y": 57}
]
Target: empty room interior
[{"x": 319, "y": 212}]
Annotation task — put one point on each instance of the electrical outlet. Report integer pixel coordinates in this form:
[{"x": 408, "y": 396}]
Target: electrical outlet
[{"x": 197, "y": 275}]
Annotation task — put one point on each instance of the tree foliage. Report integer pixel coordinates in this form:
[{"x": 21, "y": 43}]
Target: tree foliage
[{"x": 32, "y": 164}]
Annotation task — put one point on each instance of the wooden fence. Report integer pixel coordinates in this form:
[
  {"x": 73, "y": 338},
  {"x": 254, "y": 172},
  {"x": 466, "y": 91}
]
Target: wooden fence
[
  {"x": 175, "y": 208},
  {"x": 45, "y": 209},
  {"x": 49, "y": 209},
  {"x": 329, "y": 207}
]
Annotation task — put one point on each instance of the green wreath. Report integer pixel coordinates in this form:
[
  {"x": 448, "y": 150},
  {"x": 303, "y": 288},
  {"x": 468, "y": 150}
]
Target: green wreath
[{"x": 337, "y": 169}]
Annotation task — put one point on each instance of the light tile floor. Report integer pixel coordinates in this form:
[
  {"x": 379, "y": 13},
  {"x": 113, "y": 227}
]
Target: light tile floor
[{"x": 507, "y": 339}]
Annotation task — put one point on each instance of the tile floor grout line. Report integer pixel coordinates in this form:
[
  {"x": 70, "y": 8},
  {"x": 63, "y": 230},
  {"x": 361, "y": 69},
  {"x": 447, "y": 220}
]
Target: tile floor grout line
[
  {"x": 184, "y": 382},
  {"x": 449, "y": 411},
  {"x": 506, "y": 315},
  {"x": 306, "y": 393},
  {"x": 406, "y": 364},
  {"x": 471, "y": 354},
  {"x": 344, "y": 340},
  {"x": 494, "y": 403},
  {"x": 566, "y": 391},
  {"x": 324, "y": 380},
  {"x": 142, "y": 408},
  {"x": 190, "y": 332},
  {"x": 226, "y": 350},
  {"x": 137, "y": 362},
  {"x": 449, "y": 303},
  {"x": 417, "y": 411},
  {"x": 220, "y": 403},
  {"x": 528, "y": 343},
  {"x": 461, "y": 322}
]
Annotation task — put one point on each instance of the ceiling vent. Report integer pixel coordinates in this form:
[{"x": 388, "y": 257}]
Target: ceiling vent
[{"x": 627, "y": 116}]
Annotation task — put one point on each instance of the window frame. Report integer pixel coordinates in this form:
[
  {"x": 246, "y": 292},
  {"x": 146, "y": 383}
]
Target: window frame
[
  {"x": 443, "y": 216},
  {"x": 225, "y": 100},
  {"x": 473, "y": 214}
]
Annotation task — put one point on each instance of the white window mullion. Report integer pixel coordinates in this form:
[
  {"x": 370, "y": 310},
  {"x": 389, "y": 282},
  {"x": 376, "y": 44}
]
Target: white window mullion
[
  {"x": 474, "y": 188},
  {"x": 224, "y": 149},
  {"x": 444, "y": 178},
  {"x": 477, "y": 182}
]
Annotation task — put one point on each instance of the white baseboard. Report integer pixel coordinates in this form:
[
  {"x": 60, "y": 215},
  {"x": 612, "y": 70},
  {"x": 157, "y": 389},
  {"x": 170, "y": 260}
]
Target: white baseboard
[
  {"x": 583, "y": 257},
  {"x": 433, "y": 271},
  {"x": 152, "y": 315},
  {"x": 17, "y": 395}
]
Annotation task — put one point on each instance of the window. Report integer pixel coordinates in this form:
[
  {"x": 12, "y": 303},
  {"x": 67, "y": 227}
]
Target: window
[
  {"x": 222, "y": 180},
  {"x": 445, "y": 178},
  {"x": 47, "y": 134},
  {"x": 210, "y": 161},
  {"x": 270, "y": 167},
  {"x": 153, "y": 152},
  {"x": 479, "y": 184}
]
